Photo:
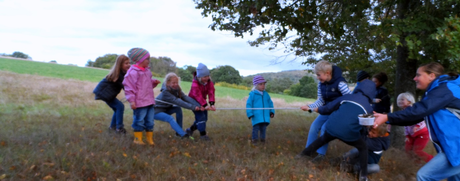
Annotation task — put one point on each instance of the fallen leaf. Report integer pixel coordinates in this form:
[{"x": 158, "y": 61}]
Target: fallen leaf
[
  {"x": 125, "y": 155},
  {"x": 48, "y": 177},
  {"x": 187, "y": 154},
  {"x": 310, "y": 176},
  {"x": 48, "y": 164},
  {"x": 2, "y": 176},
  {"x": 3, "y": 143}
]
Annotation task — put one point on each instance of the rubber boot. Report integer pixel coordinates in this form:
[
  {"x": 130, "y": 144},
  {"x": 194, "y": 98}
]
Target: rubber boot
[
  {"x": 138, "y": 138},
  {"x": 149, "y": 135}
]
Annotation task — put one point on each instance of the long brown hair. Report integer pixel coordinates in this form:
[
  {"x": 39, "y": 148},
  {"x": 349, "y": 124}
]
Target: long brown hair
[
  {"x": 116, "y": 69},
  {"x": 168, "y": 78},
  {"x": 433, "y": 67}
]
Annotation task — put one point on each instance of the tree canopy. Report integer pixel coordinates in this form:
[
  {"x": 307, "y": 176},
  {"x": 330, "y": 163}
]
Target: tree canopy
[{"x": 226, "y": 73}]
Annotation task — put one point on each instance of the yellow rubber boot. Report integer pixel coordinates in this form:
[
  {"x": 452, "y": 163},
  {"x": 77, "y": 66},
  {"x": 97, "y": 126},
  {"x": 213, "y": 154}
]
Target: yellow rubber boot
[
  {"x": 138, "y": 138},
  {"x": 149, "y": 135}
]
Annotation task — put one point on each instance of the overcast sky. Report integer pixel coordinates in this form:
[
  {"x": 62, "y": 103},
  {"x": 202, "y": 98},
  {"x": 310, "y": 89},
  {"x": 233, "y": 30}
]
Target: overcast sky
[{"x": 73, "y": 32}]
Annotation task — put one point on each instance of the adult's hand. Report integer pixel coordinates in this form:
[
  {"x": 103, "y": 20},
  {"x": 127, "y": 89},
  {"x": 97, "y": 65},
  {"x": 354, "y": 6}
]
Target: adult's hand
[{"x": 380, "y": 119}]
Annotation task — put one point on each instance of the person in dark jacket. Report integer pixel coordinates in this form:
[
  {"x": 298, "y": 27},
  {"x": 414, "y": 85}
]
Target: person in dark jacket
[
  {"x": 331, "y": 85},
  {"x": 170, "y": 101},
  {"x": 377, "y": 141},
  {"x": 108, "y": 89},
  {"x": 440, "y": 108},
  {"x": 343, "y": 122},
  {"x": 381, "y": 102}
]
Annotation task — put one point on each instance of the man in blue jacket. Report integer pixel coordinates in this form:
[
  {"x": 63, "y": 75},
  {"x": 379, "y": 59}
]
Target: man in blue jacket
[{"x": 343, "y": 122}]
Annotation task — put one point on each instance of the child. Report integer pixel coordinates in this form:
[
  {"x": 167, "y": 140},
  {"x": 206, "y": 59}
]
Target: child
[
  {"x": 343, "y": 122},
  {"x": 108, "y": 89},
  {"x": 171, "y": 94},
  {"x": 362, "y": 75},
  {"x": 381, "y": 101},
  {"x": 331, "y": 86},
  {"x": 259, "y": 98},
  {"x": 139, "y": 93},
  {"x": 202, "y": 87},
  {"x": 417, "y": 135},
  {"x": 377, "y": 141}
]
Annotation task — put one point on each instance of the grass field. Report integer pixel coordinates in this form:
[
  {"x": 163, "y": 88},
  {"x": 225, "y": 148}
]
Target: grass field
[
  {"x": 95, "y": 75},
  {"x": 53, "y": 129}
]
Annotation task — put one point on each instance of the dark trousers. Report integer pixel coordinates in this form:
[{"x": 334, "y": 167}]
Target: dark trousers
[{"x": 326, "y": 138}]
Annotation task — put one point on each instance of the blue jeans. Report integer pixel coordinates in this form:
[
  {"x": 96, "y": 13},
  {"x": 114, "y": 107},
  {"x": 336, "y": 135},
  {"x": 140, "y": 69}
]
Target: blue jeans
[
  {"x": 200, "y": 120},
  {"x": 262, "y": 128},
  {"x": 178, "y": 111},
  {"x": 438, "y": 168},
  {"x": 317, "y": 125},
  {"x": 161, "y": 116},
  {"x": 143, "y": 118},
  {"x": 118, "y": 110},
  {"x": 352, "y": 157}
]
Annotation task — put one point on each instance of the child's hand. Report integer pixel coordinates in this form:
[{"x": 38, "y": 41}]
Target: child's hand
[
  {"x": 305, "y": 108},
  {"x": 213, "y": 108},
  {"x": 197, "y": 108},
  {"x": 133, "y": 105},
  {"x": 202, "y": 108},
  {"x": 272, "y": 115},
  {"x": 315, "y": 109},
  {"x": 376, "y": 100},
  {"x": 156, "y": 81}
]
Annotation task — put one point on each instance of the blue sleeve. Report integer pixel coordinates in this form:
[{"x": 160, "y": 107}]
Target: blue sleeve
[
  {"x": 330, "y": 107},
  {"x": 249, "y": 104}
]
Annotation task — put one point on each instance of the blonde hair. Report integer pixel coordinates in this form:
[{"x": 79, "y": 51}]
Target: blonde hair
[
  {"x": 168, "y": 78},
  {"x": 408, "y": 96},
  {"x": 255, "y": 87},
  {"x": 116, "y": 68},
  {"x": 323, "y": 66}
]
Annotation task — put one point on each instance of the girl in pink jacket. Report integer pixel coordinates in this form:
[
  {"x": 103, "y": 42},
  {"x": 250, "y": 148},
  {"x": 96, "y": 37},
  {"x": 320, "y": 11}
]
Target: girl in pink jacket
[
  {"x": 202, "y": 88},
  {"x": 139, "y": 86}
]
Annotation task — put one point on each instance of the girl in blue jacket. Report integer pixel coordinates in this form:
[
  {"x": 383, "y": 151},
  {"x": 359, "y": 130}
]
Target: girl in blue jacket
[
  {"x": 440, "y": 107},
  {"x": 259, "y": 98}
]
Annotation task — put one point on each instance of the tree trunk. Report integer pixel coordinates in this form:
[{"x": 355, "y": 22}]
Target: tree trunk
[{"x": 405, "y": 72}]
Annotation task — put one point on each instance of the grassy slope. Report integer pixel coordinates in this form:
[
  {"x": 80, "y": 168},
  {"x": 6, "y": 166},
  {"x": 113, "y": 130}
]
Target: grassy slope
[{"x": 95, "y": 75}]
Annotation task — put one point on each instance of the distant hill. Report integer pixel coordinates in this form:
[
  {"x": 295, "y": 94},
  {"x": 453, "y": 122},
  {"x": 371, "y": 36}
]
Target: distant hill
[{"x": 293, "y": 75}]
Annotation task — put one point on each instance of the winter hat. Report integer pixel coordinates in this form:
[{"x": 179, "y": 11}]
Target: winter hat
[
  {"x": 362, "y": 75},
  {"x": 138, "y": 55},
  {"x": 258, "y": 79},
  {"x": 202, "y": 70}
]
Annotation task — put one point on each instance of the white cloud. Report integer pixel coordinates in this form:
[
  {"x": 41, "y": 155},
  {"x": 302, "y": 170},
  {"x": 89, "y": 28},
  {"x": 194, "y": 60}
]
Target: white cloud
[{"x": 72, "y": 32}]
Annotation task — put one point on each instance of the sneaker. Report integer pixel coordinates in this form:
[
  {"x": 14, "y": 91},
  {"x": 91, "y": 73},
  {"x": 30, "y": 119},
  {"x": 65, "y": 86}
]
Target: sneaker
[
  {"x": 205, "y": 138},
  {"x": 186, "y": 136},
  {"x": 121, "y": 131},
  {"x": 262, "y": 141},
  {"x": 318, "y": 158},
  {"x": 189, "y": 132},
  {"x": 254, "y": 142},
  {"x": 112, "y": 129},
  {"x": 363, "y": 177}
]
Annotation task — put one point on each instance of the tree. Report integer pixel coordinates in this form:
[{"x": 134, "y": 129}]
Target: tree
[
  {"x": 278, "y": 85},
  {"x": 393, "y": 36},
  {"x": 184, "y": 74},
  {"x": 105, "y": 62},
  {"x": 307, "y": 87},
  {"x": 20, "y": 55},
  {"x": 227, "y": 74},
  {"x": 162, "y": 65}
]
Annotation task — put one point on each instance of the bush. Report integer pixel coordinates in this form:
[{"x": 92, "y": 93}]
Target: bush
[{"x": 225, "y": 84}]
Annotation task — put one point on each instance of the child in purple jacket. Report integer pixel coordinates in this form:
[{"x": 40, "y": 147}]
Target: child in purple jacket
[{"x": 139, "y": 86}]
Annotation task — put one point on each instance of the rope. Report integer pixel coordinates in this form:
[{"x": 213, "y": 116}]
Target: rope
[{"x": 286, "y": 108}]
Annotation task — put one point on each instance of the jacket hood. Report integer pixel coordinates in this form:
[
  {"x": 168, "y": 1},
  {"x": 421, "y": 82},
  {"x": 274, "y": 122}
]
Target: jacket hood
[
  {"x": 367, "y": 88},
  {"x": 163, "y": 87},
  {"x": 336, "y": 73}
]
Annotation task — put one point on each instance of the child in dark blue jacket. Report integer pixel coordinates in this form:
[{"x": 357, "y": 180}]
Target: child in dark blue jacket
[
  {"x": 377, "y": 141},
  {"x": 343, "y": 122},
  {"x": 259, "y": 98},
  {"x": 108, "y": 89}
]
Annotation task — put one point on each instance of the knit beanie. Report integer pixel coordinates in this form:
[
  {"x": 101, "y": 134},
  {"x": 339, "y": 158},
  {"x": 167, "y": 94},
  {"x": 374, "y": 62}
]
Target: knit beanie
[
  {"x": 138, "y": 55},
  {"x": 258, "y": 79},
  {"x": 202, "y": 70},
  {"x": 362, "y": 75}
]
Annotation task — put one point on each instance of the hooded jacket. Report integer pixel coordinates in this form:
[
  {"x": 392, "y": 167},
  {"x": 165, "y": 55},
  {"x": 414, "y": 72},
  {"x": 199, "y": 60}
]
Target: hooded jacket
[
  {"x": 384, "y": 105},
  {"x": 173, "y": 96},
  {"x": 108, "y": 91},
  {"x": 343, "y": 121},
  {"x": 443, "y": 125},
  {"x": 375, "y": 146},
  {"x": 139, "y": 86},
  {"x": 258, "y": 100},
  {"x": 200, "y": 92}
]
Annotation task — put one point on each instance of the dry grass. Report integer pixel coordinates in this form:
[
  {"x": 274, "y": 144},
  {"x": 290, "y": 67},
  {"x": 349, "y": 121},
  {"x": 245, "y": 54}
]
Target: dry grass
[{"x": 53, "y": 129}]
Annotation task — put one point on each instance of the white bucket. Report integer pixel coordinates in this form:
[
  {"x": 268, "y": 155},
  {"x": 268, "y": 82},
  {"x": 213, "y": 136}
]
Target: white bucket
[{"x": 366, "y": 121}]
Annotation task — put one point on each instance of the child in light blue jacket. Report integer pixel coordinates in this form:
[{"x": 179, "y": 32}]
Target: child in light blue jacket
[{"x": 259, "y": 98}]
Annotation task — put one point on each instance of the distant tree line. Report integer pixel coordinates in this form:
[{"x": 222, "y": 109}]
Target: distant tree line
[
  {"x": 282, "y": 83},
  {"x": 17, "y": 54}
]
